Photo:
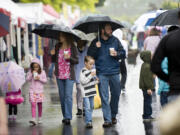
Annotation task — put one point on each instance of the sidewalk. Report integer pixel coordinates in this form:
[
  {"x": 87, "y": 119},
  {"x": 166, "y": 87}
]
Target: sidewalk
[{"x": 129, "y": 118}]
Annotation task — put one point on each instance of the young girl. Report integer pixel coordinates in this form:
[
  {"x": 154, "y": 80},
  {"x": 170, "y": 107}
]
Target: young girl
[
  {"x": 13, "y": 99},
  {"x": 37, "y": 77},
  {"x": 88, "y": 80}
]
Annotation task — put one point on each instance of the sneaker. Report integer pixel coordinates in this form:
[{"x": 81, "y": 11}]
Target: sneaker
[
  {"x": 123, "y": 90},
  {"x": 114, "y": 121},
  {"x": 89, "y": 125},
  {"x": 150, "y": 118},
  {"x": 39, "y": 120},
  {"x": 14, "y": 117},
  {"x": 79, "y": 112},
  {"x": 33, "y": 121},
  {"x": 107, "y": 124},
  {"x": 10, "y": 118}
]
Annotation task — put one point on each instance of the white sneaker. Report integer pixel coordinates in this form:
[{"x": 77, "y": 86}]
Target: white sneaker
[
  {"x": 33, "y": 121},
  {"x": 39, "y": 120}
]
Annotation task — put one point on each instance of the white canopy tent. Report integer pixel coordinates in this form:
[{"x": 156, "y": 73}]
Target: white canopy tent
[{"x": 39, "y": 16}]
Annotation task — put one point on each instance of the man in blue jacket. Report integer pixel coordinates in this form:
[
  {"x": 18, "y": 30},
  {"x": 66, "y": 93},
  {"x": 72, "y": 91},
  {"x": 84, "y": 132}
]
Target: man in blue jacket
[{"x": 107, "y": 51}]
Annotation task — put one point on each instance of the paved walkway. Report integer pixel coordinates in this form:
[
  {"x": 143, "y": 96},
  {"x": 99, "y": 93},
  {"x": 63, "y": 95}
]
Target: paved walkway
[{"x": 129, "y": 118}]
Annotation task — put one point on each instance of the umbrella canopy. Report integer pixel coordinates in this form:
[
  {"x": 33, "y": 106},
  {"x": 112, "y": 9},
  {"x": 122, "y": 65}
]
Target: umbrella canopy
[
  {"x": 12, "y": 76},
  {"x": 53, "y": 31},
  {"x": 90, "y": 24},
  {"x": 169, "y": 17},
  {"x": 4, "y": 23},
  {"x": 146, "y": 18}
]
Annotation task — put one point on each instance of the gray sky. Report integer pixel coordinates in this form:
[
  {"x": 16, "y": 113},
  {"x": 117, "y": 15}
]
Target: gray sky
[{"x": 119, "y": 8}]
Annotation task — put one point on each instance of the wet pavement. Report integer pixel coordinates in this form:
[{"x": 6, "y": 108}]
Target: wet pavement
[{"x": 129, "y": 117}]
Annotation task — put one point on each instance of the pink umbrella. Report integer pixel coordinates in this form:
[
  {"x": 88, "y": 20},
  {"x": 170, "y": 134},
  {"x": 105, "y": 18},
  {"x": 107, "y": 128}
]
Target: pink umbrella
[{"x": 12, "y": 76}]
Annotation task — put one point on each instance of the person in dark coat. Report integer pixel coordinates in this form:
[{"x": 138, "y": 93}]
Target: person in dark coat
[
  {"x": 107, "y": 51},
  {"x": 169, "y": 47}
]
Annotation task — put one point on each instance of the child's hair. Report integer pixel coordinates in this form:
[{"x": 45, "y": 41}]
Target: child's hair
[
  {"x": 39, "y": 70},
  {"x": 88, "y": 58}
]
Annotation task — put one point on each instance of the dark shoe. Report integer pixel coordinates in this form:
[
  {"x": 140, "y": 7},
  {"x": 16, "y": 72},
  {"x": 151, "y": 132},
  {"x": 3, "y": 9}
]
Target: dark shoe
[
  {"x": 79, "y": 112},
  {"x": 89, "y": 125},
  {"x": 63, "y": 121},
  {"x": 114, "y": 121},
  {"x": 107, "y": 124},
  {"x": 67, "y": 122}
]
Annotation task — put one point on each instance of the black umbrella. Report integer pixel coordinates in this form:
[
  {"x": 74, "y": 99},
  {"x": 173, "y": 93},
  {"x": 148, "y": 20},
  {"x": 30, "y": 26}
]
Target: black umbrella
[
  {"x": 169, "y": 17},
  {"x": 91, "y": 24},
  {"x": 53, "y": 31}
]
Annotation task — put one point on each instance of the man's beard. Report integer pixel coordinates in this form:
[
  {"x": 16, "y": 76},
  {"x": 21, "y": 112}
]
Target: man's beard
[{"x": 106, "y": 34}]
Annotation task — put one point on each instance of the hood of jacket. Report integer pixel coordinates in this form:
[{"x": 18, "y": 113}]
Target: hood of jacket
[
  {"x": 36, "y": 60},
  {"x": 146, "y": 56}
]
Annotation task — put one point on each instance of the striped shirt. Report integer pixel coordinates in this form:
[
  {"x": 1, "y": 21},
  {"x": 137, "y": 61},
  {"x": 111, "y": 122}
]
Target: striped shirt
[{"x": 88, "y": 83}]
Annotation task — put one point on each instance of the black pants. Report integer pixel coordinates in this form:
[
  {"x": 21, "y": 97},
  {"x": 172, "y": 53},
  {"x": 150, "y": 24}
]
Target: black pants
[
  {"x": 12, "y": 109},
  {"x": 123, "y": 71}
]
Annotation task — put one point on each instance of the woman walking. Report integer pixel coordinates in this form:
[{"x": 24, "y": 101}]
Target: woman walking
[{"x": 66, "y": 57}]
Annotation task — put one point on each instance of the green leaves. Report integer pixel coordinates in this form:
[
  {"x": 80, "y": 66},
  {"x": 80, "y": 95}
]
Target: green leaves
[{"x": 57, "y": 4}]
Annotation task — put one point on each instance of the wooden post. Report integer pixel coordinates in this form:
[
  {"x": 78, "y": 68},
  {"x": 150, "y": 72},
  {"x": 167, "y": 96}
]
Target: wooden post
[
  {"x": 19, "y": 44},
  {"x": 33, "y": 42}
]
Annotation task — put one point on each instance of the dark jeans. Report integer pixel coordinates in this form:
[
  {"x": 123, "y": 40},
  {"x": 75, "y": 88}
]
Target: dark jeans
[
  {"x": 123, "y": 71},
  {"x": 147, "y": 109},
  {"x": 164, "y": 98},
  {"x": 12, "y": 109}
]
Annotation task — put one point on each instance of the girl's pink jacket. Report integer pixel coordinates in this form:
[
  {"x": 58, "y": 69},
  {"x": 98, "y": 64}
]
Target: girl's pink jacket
[{"x": 36, "y": 85}]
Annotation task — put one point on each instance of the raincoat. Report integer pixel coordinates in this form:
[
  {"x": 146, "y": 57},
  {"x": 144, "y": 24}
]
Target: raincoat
[
  {"x": 146, "y": 80},
  {"x": 36, "y": 86}
]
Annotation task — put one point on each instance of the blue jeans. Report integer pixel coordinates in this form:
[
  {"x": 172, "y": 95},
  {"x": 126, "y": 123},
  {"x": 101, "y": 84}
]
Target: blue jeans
[
  {"x": 147, "y": 109},
  {"x": 51, "y": 69},
  {"x": 163, "y": 98},
  {"x": 88, "y": 106},
  {"x": 65, "y": 93},
  {"x": 109, "y": 109}
]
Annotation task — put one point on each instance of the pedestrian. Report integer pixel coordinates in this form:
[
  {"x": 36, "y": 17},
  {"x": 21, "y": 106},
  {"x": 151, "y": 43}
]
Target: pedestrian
[
  {"x": 52, "y": 43},
  {"x": 3, "y": 116},
  {"x": 66, "y": 57},
  {"x": 163, "y": 86},
  {"x": 123, "y": 70},
  {"x": 13, "y": 98},
  {"x": 107, "y": 51},
  {"x": 140, "y": 39},
  {"x": 146, "y": 84},
  {"x": 152, "y": 41},
  {"x": 88, "y": 81},
  {"x": 169, "y": 47},
  {"x": 37, "y": 78},
  {"x": 82, "y": 48}
]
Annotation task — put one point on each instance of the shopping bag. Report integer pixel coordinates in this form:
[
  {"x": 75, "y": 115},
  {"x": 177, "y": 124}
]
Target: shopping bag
[{"x": 97, "y": 99}]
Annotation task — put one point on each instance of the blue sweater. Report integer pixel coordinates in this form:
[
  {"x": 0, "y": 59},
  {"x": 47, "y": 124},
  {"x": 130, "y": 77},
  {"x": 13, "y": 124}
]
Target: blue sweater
[
  {"x": 163, "y": 86},
  {"x": 106, "y": 64}
]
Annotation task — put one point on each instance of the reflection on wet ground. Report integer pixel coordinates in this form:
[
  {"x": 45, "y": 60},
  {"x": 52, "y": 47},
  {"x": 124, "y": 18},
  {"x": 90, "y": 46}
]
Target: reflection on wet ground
[{"x": 129, "y": 117}]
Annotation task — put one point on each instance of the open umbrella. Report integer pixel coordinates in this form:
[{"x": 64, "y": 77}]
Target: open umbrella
[
  {"x": 90, "y": 24},
  {"x": 53, "y": 30},
  {"x": 169, "y": 17},
  {"x": 12, "y": 76}
]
